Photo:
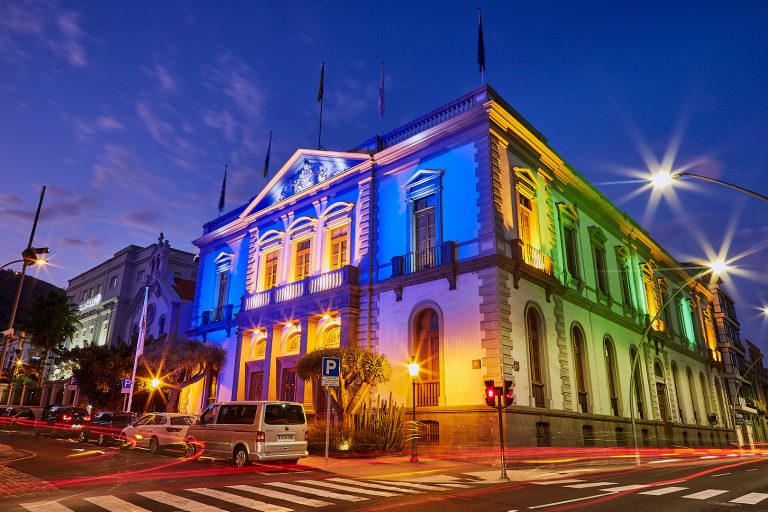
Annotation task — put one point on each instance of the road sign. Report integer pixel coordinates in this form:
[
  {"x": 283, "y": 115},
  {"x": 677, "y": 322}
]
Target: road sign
[
  {"x": 331, "y": 369},
  {"x": 72, "y": 384},
  {"x": 126, "y": 387}
]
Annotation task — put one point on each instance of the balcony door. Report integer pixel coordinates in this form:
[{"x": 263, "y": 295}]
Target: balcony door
[
  {"x": 426, "y": 232},
  {"x": 427, "y": 352}
]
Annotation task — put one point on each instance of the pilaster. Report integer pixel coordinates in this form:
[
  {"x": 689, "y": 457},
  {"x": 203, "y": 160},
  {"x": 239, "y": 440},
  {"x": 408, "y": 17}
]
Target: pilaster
[{"x": 562, "y": 354}]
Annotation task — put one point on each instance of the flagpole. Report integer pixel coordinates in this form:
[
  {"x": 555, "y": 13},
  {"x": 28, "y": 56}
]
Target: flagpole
[
  {"x": 381, "y": 101},
  {"x": 139, "y": 346}
]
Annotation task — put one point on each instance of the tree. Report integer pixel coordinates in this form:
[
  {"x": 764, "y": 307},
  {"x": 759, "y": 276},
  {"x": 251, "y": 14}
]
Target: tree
[
  {"x": 360, "y": 369},
  {"x": 99, "y": 370},
  {"x": 52, "y": 319},
  {"x": 179, "y": 362}
]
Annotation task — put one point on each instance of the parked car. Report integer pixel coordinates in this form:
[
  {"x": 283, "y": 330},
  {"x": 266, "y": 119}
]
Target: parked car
[
  {"x": 157, "y": 431},
  {"x": 246, "y": 431},
  {"x": 63, "y": 420},
  {"x": 17, "y": 416},
  {"x": 106, "y": 427}
]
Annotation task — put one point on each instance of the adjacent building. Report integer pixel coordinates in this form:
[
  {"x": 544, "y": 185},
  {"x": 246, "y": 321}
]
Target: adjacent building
[{"x": 463, "y": 240}]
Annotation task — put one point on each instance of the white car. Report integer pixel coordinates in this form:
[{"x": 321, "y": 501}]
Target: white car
[{"x": 158, "y": 430}]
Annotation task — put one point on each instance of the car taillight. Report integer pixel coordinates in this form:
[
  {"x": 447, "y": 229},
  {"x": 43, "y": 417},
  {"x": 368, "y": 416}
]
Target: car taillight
[
  {"x": 66, "y": 417},
  {"x": 306, "y": 435},
  {"x": 173, "y": 429},
  {"x": 261, "y": 437},
  {"x": 86, "y": 418}
]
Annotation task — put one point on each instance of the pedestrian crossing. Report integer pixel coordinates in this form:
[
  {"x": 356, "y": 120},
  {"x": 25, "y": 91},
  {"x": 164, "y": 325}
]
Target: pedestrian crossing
[
  {"x": 752, "y": 498},
  {"x": 275, "y": 496}
]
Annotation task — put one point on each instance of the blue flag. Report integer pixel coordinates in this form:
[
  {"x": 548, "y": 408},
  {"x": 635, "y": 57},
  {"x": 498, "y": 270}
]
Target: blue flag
[{"x": 266, "y": 159}]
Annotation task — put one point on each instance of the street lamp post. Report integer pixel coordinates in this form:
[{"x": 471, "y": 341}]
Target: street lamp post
[
  {"x": 663, "y": 179},
  {"x": 714, "y": 267},
  {"x": 30, "y": 256},
  {"x": 413, "y": 371}
]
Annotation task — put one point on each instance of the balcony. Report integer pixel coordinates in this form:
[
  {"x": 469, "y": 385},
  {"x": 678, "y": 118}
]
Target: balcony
[
  {"x": 424, "y": 259},
  {"x": 427, "y": 394},
  {"x": 531, "y": 256},
  {"x": 311, "y": 285},
  {"x": 215, "y": 319}
]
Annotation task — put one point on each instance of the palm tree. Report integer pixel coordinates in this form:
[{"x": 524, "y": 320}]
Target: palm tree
[
  {"x": 180, "y": 362},
  {"x": 360, "y": 369},
  {"x": 52, "y": 319}
]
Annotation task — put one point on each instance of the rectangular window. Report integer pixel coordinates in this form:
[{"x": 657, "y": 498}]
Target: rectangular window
[
  {"x": 571, "y": 252},
  {"x": 339, "y": 240},
  {"x": 302, "y": 260},
  {"x": 626, "y": 296},
  {"x": 90, "y": 293},
  {"x": 284, "y": 414},
  {"x": 113, "y": 282},
  {"x": 526, "y": 214},
  {"x": 98, "y": 289},
  {"x": 221, "y": 299},
  {"x": 601, "y": 270},
  {"x": 270, "y": 270},
  {"x": 84, "y": 295},
  {"x": 426, "y": 233}
]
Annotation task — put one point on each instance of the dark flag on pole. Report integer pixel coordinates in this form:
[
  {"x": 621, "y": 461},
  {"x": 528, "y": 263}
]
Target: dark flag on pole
[
  {"x": 266, "y": 159},
  {"x": 381, "y": 93},
  {"x": 480, "y": 43},
  {"x": 223, "y": 190},
  {"x": 322, "y": 78}
]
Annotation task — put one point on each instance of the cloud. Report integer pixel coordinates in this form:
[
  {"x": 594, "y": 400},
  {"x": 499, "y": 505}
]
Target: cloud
[
  {"x": 223, "y": 121},
  {"x": 9, "y": 199},
  {"x": 108, "y": 124},
  {"x": 167, "y": 81},
  {"x": 149, "y": 220},
  {"x": 232, "y": 77},
  {"x": 57, "y": 207},
  {"x": 28, "y": 23},
  {"x": 85, "y": 130},
  {"x": 159, "y": 129}
]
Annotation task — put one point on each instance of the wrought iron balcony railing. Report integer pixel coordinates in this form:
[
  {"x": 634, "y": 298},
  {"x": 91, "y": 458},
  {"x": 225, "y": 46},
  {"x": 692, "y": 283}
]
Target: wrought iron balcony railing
[
  {"x": 211, "y": 316},
  {"x": 424, "y": 259},
  {"x": 531, "y": 256},
  {"x": 427, "y": 394},
  {"x": 347, "y": 275}
]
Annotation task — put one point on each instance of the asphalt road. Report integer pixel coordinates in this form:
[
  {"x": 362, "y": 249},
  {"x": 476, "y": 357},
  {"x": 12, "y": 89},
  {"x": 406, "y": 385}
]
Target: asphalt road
[{"x": 63, "y": 475}]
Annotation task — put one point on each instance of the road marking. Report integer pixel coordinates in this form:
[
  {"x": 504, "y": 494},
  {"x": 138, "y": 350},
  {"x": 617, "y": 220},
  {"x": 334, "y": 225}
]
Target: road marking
[
  {"x": 568, "y": 501},
  {"x": 269, "y": 493},
  {"x": 239, "y": 500},
  {"x": 626, "y": 488},
  {"x": 753, "y": 469},
  {"x": 179, "y": 502},
  {"x": 318, "y": 492},
  {"x": 708, "y": 457},
  {"x": 558, "y": 482},
  {"x": 732, "y": 455},
  {"x": 704, "y": 495},
  {"x": 330, "y": 485},
  {"x": 374, "y": 486},
  {"x": 422, "y": 487},
  {"x": 720, "y": 474},
  {"x": 663, "y": 490},
  {"x": 663, "y": 461},
  {"x": 115, "y": 504},
  {"x": 590, "y": 484},
  {"x": 46, "y": 506},
  {"x": 457, "y": 486},
  {"x": 751, "y": 498}
]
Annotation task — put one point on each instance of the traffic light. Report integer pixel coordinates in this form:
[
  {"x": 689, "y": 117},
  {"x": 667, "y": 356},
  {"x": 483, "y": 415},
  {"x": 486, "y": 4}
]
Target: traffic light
[
  {"x": 509, "y": 393},
  {"x": 490, "y": 394}
]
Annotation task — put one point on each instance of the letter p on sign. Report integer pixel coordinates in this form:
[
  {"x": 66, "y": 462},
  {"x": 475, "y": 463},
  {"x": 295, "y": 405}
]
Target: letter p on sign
[{"x": 331, "y": 370}]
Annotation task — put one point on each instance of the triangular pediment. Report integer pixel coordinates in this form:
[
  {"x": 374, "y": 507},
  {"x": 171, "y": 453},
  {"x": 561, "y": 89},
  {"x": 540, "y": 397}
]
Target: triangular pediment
[
  {"x": 423, "y": 176},
  {"x": 306, "y": 169}
]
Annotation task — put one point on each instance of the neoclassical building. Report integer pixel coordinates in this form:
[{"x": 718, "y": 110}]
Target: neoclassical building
[{"x": 462, "y": 239}]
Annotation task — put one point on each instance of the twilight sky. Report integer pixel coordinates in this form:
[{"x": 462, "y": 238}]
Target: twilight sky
[{"x": 128, "y": 111}]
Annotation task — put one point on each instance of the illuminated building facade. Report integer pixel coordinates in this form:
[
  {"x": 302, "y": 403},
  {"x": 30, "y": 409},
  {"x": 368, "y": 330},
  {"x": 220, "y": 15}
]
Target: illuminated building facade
[{"x": 464, "y": 240}]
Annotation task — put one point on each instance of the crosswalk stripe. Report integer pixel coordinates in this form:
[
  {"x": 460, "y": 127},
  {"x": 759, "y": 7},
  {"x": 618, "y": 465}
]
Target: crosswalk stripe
[
  {"x": 590, "y": 484},
  {"x": 751, "y": 498},
  {"x": 455, "y": 485},
  {"x": 421, "y": 487},
  {"x": 331, "y": 485},
  {"x": 374, "y": 486},
  {"x": 115, "y": 504},
  {"x": 269, "y": 493},
  {"x": 240, "y": 500},
  {"x": 558, "y": 482},
  {"x": 318, "y": 492},
  {"x": 663, "y": 490},
  {"x": 179, "y": 502},
  {"x": 703, "y": 495},
  {"x": 625, "y": 488},
  {"x": 46, "y": 506}
]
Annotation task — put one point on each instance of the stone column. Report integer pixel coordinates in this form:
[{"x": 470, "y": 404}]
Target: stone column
[
  {"x": 270, "y": 362},
  {"x": 308, "y": 342},
  {"x": 349, "y": 323}
]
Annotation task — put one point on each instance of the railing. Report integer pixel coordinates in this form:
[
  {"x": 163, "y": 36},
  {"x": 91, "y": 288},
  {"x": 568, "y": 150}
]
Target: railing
[
  {"x": 427, "y": 394},
  {"x": 212, "y": 316},
  {"x": 583, "y": 402},
  {"x": 430, "y": 257},
  {"x": 615, "y": 406},
  {"x": 531, "y": 256},
  {"x": 224, "y": 219},
  {"x": 429, "y": 121},
  {"x": 538, "y": 395},
  {"x": 347, "y": 275}
]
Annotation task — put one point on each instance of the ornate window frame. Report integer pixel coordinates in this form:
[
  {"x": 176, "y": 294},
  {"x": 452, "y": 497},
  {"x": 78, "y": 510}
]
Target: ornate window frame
[
  {"x": 598, "y": 241},
  {"x": 423, "y": 183},
  {"x": 568, "y": 216},
  {"x": 223, "y": 264}
]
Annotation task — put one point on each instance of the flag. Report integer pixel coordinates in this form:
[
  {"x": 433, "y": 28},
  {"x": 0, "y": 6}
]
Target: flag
[
  {"x": 266, "y": 159},
  {"x": 381, "y": 93},
  {"x": 480, "y": 44},
  {"x": 322, "y": 78},
  {"x": 223, "y": 190},
  {"x": 142, "y": 325}
]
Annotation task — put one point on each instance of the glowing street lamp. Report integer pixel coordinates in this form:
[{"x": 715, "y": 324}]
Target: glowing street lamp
[
  {"x": 413, "y": 371},
  {"x": 155, "y": 383}
]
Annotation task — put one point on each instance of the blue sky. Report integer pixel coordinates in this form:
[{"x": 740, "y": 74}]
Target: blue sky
[{"x": 128, "y": 111}]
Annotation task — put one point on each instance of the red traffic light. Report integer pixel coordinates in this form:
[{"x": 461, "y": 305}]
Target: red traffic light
[
  {"x": 490, "y": 394},
  {"x": 509, "y": 393}
]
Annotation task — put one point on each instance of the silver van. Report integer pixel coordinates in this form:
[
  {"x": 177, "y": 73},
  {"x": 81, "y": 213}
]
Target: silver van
[{"x": 248, "y": 431}]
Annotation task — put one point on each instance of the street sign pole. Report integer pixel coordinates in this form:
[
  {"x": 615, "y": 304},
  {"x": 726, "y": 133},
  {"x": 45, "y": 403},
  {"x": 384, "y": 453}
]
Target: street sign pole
[
  {"x": 327, "y": 421},
  {"x": 500, "y": 407},
  {"x": 330, "y": 375}
]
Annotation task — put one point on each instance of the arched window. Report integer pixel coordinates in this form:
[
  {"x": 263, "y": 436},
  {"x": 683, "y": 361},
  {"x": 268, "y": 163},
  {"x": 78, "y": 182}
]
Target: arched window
[
  {"x": 293, "y": 343},
  {"x": 705, "y": 394},
  {"x": 427, "y": 345},
  {"x": 534, "y": 352},
  {"x": 161, "y": 325},
  {"x": 331, "y": 337},
  {"x": 579, "y": 363},
  {"x": 676, "y": 383},
  {"x": 694, "y": 402},
  {"x": 259, "y": 349},
  {"x": 610, "y": 367},
  {"x": 637, "y": 384}
]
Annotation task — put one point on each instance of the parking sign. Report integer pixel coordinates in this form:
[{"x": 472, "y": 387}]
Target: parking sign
[
  {"x": 126, "y": 387},
  {"x": 331, "y": 370}
]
